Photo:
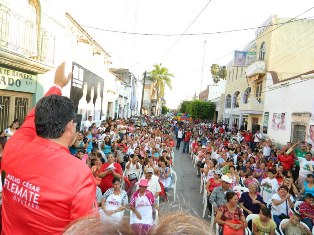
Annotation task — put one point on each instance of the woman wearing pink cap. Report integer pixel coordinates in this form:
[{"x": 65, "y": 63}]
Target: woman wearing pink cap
[{"x": 142, "y": 203}]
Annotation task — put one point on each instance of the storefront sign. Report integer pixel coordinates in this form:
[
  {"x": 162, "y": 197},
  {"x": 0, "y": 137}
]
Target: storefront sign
[{"x": 17, "y": 81}]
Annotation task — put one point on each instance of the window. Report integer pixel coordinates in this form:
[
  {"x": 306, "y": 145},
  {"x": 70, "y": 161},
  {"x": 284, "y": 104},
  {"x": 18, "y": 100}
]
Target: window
[
  {"x": 14, "y": 105},
  {"x": 262, "y": 51},
  {"x": 228, "y": 101},
  {"x": 246, "y": 95},
  {"x": 236, "y": 99},
  {"x": 258, "y": 92}
]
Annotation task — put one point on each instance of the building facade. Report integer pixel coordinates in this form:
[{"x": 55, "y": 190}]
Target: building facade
[
  {"x": 34, "y": 39},
  {"x": 291, "y": 117},
  {"x": 275, "y": 49}
]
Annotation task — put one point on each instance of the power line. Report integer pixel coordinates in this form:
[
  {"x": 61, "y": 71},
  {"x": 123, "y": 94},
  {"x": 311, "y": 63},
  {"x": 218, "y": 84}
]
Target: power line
[
  {"x": 176, "y": 41},
  {"x": 262, "y": 35},
  {"x": 188, "y": 34}
]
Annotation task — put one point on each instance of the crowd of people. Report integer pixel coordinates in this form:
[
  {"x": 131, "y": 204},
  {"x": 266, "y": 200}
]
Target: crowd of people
[
  {"x": 246, "y": 174},
  {"x": 55, "y": 177}
]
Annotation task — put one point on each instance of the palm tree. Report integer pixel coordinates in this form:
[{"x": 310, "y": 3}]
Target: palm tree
[
  {"x": 218, "y": 72},
  {"x": 161, "y": 77}
]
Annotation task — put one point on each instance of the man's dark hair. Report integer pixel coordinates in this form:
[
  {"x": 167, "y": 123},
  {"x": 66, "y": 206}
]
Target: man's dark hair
[{"x": 52, "y": 114}]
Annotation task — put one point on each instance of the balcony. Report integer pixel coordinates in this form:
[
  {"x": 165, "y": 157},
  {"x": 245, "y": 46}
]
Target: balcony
[
  {"x": 253, "y": 106},
  {"x": 23, "y": 45},
  {"x": 256, "y": 68}
]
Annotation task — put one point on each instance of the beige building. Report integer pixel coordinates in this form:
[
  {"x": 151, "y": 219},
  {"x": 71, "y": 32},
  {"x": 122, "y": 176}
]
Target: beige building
[{"x": 281, "y": 46}]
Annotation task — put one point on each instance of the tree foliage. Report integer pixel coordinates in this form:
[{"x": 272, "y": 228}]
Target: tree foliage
[
  {"x": 161, "y": 77},
  {"x": 198, "y": 109},
  {"x": 218, "y": 72},
  {"x": 164, "y": 110},
  {"x": 183, "y": 107}
]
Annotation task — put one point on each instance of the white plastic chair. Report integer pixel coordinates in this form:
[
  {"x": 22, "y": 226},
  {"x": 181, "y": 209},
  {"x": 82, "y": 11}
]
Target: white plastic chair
[
  {"x": 251, "y": 217},
  {"x": 203, "y": 180},
  {"x": 204, "y": 208},
  {"x": 204, "y": 191},
  {"x": 240, "y": 189},
  {"x": 297, "y": 205},
  {"x": 286, "y": 220},
  {"x": 174, "y": 183}
]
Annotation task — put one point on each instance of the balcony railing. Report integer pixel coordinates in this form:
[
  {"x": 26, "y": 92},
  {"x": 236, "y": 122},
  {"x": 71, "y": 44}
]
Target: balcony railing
[{"x": 19, "y": 35}]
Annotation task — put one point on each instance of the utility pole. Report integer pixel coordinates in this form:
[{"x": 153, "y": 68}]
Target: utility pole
[
  {"x": 143, "y": 92},
  {"x": 202, "y": 69}
]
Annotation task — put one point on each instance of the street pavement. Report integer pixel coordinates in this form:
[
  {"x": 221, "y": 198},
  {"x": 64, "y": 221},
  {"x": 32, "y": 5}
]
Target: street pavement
[{"x": 188, "y": 197}]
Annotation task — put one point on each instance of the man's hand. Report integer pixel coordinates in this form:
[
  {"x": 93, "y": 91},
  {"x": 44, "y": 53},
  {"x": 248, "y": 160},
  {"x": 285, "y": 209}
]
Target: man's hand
[{"x": 60, "y": 78}]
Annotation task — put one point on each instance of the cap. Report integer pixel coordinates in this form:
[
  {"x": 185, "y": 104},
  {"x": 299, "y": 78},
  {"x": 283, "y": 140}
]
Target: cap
[
  {"x": 203, "y": 147},
  {"x": 143, "y": 182},
  {"x": 226, "y": 179},
  {"x": 149, "y": 170}
]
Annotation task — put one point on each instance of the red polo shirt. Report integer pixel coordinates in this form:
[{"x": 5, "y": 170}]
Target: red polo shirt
[{"x": 45, "y": 187}]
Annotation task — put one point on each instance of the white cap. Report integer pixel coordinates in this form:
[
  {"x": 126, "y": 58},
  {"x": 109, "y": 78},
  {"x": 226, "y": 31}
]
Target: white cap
[
  {"x": 203, "y": 147},
  {"x": 225, "y": 178}
]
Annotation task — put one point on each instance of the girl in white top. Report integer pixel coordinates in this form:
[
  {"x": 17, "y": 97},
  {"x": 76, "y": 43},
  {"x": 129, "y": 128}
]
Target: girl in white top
[
  {"x": 114, "y": 200},
  {"x": 165, "y": 177},
  {"x": 12, "y": 129},
  {"x": 270, "y": 185}
]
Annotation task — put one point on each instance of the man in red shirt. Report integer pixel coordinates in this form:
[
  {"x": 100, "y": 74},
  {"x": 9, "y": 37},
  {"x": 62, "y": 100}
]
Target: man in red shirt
[
  {"x": 248, "y": 138},
  {"x": 287, "y": 160},
  {"x": 45, "y": 187},
  {"x": 187, "y": 138}
]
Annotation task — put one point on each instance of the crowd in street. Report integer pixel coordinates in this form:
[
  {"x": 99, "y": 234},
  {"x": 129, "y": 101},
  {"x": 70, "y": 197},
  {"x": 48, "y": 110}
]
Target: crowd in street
[
  {"x": 273, "y": 179},
  {"x": 247, "y": 177},
  {"x": 56, "y": 178}
]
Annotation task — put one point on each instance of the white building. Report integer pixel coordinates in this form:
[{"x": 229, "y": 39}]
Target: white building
[{"x": 289, "y": 108}]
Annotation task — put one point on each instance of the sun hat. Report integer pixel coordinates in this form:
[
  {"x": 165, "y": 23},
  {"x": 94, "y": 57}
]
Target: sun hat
[
  {"x": 226, "y": 179},
  {"x": 143, "y": 182}
]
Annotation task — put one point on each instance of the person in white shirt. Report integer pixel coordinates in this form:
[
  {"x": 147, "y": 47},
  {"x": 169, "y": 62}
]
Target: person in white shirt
[
  {"x": 267, "y": 150},
  {"x": 133, "y": 171},
  {"x": 282, "y": 202},
  {"x": 153, "y": 183},
  {"x": 270, "y": 185},
  {"x": 87, "y": 124},
  {"x": 114, "y": 200},
  {"x": 257, "y": 138},
  {"x": 179, "y": 138},
  {"x": 306, "y": 167}
]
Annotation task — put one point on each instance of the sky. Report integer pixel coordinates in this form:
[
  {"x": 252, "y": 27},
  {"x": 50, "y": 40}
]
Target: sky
[{"x": 187, "y": 57}]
